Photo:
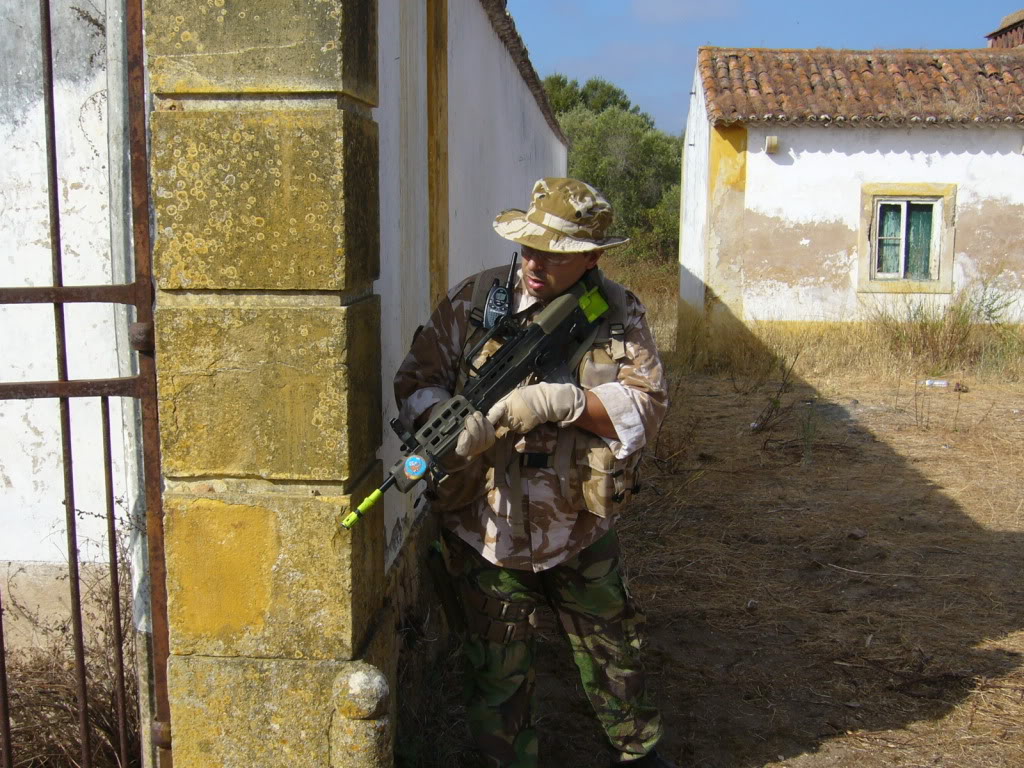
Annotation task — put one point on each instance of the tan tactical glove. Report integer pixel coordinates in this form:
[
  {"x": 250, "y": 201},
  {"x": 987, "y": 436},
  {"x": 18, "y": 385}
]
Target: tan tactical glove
[
  {"x": 476, "y": 437},
  {"x": 523, "y": 409}
]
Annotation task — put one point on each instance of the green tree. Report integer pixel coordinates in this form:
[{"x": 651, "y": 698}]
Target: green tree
[
  {"x": 563, "y": 93},
  {"x": 621, "y": 154},
  {"x": 615, "y": 147},
  {"x": 597, "y": 95}
]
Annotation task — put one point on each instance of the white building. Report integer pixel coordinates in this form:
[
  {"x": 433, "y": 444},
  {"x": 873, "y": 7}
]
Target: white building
[{"x": 820, "y": 183}]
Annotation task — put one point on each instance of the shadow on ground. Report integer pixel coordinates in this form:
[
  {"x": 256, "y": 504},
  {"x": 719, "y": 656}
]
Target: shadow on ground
[{"x": 813, "y": 598}]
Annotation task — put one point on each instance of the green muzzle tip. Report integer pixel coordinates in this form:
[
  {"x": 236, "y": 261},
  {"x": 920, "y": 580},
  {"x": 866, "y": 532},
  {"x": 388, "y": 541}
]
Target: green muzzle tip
[{"x": 353, "y": 517}]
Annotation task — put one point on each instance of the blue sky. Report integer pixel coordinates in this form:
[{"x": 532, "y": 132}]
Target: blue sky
[{"x": 649, "y": 47}]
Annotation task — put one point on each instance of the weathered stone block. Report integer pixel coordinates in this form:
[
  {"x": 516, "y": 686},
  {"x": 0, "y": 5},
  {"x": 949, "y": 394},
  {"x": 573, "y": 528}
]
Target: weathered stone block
[
  {"x": 263, "y": 46},
  {"x": 262, "y": 713},
  {"x": 272, "y": 575},
  {"x": 272, "y": 392},
  {"x": 271, "y": 200}
]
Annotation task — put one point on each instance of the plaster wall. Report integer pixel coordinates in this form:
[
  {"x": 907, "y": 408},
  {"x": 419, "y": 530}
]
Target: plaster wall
[
  {"x": 403, "y": 285},
  {"x": 793, "y": 254},
  {"x": 692, "y": 252},
  {"x": 498, "y": 144},
  {"x": 93, "y": 233}
]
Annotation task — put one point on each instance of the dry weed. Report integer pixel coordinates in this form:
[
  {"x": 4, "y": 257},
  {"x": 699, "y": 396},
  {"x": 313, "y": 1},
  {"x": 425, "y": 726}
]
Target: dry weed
[{"x": 43, "y": 682}]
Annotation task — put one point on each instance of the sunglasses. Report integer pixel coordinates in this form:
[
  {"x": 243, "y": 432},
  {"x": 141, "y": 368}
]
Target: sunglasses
[{"x": 550, "y": 259}]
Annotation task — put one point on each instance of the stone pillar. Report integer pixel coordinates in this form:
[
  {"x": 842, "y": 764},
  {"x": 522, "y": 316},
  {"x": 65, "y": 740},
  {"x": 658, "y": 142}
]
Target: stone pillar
[{"x": 264, "y": 173}]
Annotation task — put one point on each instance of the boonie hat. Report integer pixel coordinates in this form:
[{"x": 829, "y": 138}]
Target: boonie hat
[{"x": 565, "y": 216}]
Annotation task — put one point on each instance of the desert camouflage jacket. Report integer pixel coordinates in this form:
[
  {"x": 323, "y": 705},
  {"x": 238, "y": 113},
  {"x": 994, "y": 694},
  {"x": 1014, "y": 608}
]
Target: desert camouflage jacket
[{"x": 529, "y": 517}]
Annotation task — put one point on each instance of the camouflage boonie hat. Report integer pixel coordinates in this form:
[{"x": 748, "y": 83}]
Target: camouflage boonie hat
[{"x": 565, "y": 216}]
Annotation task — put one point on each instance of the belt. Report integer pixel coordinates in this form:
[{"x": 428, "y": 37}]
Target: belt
[{"x": 537, "y": 460}]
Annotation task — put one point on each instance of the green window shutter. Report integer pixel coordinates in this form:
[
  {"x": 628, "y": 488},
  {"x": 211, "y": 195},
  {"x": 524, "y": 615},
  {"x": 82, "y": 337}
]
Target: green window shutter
[
  {"x": 889, "y": 228},
  {"x": 919, "y": 240}
]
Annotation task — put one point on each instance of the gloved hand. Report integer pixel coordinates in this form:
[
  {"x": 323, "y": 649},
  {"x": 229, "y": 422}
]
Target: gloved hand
[
  {"x": 523, "y": 409},
  {"x": 476, "y": 437}
]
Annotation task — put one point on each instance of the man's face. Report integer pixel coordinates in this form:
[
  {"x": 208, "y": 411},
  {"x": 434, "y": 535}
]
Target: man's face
[{"x": 547, "y": 275}]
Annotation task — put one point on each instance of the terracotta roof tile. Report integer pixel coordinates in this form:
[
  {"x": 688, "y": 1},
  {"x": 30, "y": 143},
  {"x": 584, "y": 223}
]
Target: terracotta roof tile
[
  {"x": 1008, "y": 21},
  {"x": 884, "y": 87}
]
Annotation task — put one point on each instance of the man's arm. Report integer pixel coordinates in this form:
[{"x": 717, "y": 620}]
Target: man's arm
[
  {"x": 428, "y": 373},
  {"x": 595, "y": 418},
  {"x": 623, "y": 412},
  {"x": 635, "y": 404}
]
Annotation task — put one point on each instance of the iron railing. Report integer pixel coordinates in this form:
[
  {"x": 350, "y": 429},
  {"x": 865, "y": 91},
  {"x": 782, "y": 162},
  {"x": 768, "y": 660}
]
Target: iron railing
[{"x": 141, "y": 387}]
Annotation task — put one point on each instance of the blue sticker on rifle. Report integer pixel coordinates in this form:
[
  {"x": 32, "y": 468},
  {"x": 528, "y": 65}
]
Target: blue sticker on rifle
[{"x": 415, "y": 467}]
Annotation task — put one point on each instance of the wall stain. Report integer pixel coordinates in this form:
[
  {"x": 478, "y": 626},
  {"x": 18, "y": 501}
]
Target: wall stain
[
  {"x": 988, "y": 233},
  {"x": 773, "y": 248}
]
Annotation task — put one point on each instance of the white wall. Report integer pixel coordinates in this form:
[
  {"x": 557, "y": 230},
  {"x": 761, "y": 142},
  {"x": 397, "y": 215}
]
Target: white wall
[
  {"x": 498, "y": 140},
  {"x": 404, "y": 218},
  {"x": 31, "y": 472},
  {"x": 693, "y": 234},
  {"x": 816, "y": 178},
  {"x": 818, "y": 172}
]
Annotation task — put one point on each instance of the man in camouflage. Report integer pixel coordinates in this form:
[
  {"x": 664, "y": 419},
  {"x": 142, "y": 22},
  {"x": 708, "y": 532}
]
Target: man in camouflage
[{"x": 528, "y": 509}]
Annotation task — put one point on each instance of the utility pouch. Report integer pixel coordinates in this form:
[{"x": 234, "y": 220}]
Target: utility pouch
[{"x": 606, "y": 482}]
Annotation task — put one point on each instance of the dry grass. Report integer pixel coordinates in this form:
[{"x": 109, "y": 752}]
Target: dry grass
[
  {"x": 965, "y": 337},
  {"x": 916, "y": 340},
  {"x": 43, "y": 683},
  {"x": 657, "y": 284}
]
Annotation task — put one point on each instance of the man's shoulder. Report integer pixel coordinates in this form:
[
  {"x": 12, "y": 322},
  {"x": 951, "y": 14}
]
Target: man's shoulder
[
  {"x": 463, "y": 289},
  {"x": 628, "y": 303}
]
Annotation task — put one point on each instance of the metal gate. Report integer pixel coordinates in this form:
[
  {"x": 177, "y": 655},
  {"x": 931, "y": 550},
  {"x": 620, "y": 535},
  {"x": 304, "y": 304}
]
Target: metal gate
[{"x": 139, "y": 388}]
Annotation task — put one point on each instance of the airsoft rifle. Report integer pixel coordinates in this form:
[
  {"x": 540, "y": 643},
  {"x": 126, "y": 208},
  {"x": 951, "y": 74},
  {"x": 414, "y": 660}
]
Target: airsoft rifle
[{"x": 543, "y": 349}]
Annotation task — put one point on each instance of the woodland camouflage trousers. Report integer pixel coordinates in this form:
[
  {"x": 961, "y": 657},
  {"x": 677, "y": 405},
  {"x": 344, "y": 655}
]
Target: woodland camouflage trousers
[{"x": 600, "y": 622}]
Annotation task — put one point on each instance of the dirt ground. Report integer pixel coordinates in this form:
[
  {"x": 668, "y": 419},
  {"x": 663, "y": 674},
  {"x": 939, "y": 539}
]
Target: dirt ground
[{"x": 841, "y": 585}]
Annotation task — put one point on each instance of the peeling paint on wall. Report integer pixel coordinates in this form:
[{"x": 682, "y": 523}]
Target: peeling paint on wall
[
  {"x": 784, "y": 230},
  {"x": 989, "y": 239},
  {"x": 781, "y": 250},
  {"x": 31, "y": 485}
]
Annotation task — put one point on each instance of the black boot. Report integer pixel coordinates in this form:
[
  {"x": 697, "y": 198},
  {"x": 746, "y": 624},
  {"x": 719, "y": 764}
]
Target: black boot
[{"x": 651, "y": 760}]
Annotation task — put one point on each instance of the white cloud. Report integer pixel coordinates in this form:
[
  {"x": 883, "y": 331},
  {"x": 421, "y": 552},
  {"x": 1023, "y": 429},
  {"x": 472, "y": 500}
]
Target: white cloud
[{"x": 684, "y": 10}]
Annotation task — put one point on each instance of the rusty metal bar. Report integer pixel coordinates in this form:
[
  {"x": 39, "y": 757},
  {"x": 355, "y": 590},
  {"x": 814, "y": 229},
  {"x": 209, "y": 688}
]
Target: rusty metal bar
[
  {"x": 73, "y": 579},
  {"x": 34, "y": 390},
  {"x": 62, "y": 374},
  {"x": 147, "y": 372},
  {"x": 6, "y": 750},
  {"x": 68, "y": 294},
  {"x": 115, "y": 586}
]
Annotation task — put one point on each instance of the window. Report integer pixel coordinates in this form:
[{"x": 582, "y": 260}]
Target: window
[{"x": 906, "y": 242}]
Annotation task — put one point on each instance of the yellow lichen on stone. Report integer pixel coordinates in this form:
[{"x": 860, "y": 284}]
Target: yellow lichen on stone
[
  {"x": 249, "y": 713},
  {"x": 272, "y": 392},
  {"x": 261, "y": 199},
  {"x": 265, "y": 46},
  {"x": 272, "y": 575},
  {"x": 223, "y": 560}
]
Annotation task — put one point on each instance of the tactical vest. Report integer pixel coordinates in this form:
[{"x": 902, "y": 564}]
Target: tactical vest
[{"x": 590, "y": 475}]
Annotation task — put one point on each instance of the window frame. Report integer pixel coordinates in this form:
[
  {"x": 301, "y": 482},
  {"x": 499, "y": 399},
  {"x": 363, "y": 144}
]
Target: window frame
[
  {"x": 934, "y": 244},
  {"x": 942, "y": 197}
]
